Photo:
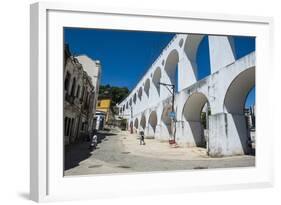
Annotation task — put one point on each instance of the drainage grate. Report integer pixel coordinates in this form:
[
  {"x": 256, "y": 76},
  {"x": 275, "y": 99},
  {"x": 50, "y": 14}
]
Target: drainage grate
[
  {"x": 124, "y": 166},
  {"x": 200, "y": 168},
  {"x": 125, "y": 152},
  {"x": 95, "y": 166}
]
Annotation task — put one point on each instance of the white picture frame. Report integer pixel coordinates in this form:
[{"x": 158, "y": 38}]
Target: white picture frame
[{"x": 46, "y": 172}]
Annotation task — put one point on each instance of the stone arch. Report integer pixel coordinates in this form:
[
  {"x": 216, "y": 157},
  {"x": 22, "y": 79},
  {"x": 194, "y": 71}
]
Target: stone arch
[
  {"x": 156, "y": 79},
  {"x": 181, "y": 42},
  {"x": 171, "y": 67},
  {"x": 237, "y": 92},
  {"x": 237, "y": 135},
  {"x": 191, "y": 45},
  {"x": 167, "y": 121},
  {"x": 202, "y": 59},
  {"x": 140, "y": 93},
  {"x": 136, "y": 123},
  {"x": 131, "y": 127},
  {"x": 135, "y": 98},
  {"x": 143, "y": 122},
  {"x": 152, "y": 120},
  {"x": 147, "y": 86},
  {"x": 193, "y": 106},
  {"x": 192, "y": 115}
]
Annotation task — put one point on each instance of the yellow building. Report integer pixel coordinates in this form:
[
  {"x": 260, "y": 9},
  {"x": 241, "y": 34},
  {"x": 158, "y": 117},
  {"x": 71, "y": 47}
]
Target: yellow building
[{"x": 103, "y": 105}]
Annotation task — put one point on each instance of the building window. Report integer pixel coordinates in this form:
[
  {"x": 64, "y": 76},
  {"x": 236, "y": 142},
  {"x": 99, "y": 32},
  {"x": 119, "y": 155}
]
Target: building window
[
  {"x": 65, "y": 126},
  {"x": 68, "y": 127},
  {"x": 73, "y": 87},
  {"x": 78, "y": 91},
  {"x": 84, "y": 126},
  {"x": 72, "y": 128},
  {"x": 66, "y": 81},
  {"x": 82, "y": 95}
]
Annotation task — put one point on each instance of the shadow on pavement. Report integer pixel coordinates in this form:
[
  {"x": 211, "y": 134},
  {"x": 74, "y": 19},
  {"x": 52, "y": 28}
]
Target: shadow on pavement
[
  {"x": 75, "y": 153},
  {"x": 24, "y": 195}
]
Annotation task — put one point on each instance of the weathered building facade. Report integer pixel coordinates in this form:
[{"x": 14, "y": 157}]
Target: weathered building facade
[
  {"x": 104, "y": 105},
  {"x": 152, "y": 107},
  {"x": 81, "y": 83}
]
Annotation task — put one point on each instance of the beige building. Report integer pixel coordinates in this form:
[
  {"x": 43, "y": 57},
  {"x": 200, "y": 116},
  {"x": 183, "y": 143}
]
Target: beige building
[{"x": 81, "y": 83}]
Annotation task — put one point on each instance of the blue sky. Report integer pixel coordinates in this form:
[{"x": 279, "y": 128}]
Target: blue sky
[{"x": 126, "y": 55}]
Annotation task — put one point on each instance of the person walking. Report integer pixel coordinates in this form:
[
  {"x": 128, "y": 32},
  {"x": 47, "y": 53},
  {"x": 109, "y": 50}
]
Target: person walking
[
  {"x": 94, "y": 140},
  {"x": 142, "y": 138}
]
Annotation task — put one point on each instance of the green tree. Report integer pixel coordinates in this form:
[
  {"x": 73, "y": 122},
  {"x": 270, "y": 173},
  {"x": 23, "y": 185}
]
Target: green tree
[{"x": 116, "y": 94}]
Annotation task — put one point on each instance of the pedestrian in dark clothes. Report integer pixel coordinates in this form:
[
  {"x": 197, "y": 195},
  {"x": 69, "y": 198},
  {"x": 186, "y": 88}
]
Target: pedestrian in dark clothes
[{"x": 142, "y": 138}]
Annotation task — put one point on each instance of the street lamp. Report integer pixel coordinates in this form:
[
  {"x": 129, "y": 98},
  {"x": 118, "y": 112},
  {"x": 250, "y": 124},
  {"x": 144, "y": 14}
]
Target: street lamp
[{"x": 171, "y": 89}]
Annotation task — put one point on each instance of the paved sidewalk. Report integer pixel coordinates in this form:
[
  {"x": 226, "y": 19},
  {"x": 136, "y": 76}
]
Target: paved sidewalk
[
  {"x": 163, "y": 150},
  {"x": 160, "y": 149},
  {"x": 120, "y": 152}
]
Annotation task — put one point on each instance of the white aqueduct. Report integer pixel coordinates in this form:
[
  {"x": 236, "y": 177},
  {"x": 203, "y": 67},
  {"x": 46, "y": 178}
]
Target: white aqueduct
[{"x": 225, "y": 90}]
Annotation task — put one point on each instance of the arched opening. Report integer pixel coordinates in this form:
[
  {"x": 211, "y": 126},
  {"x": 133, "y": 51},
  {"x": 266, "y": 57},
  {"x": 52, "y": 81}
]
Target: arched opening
[
  {"x": 140, "y": 93},
  {"x": 152, "y": 121},
  {"x": 131, "y": 127},
  {"x": 167, "y": 121},
  {"x": 181, "y": 43},
  {"x": 250, "y": 114},
  {"x": 66, "y": 81},
  {"x": 147, "y": 87},
  {"x": 195, "y": 112},
  {"x": 143, "y": 122},
  {"x": 135, "y": 98},
  {"x": 156, "y": 79},
  {"x": 130, "y": 102},
  {"x": 190, "y": 48},
  {"x": 235, "y": 104},
  {"x": 237, "y": 92},
  {"x": 244, "y": 45},
  {"x": 203, "y": 59},
  {"x": 136, "y": 123},
  {"x": 171, "y": 68},
  {"x": 251, "y": 98}
]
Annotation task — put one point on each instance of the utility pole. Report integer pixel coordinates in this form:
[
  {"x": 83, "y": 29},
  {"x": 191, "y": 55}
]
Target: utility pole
[{"x": 171, "y": 89}]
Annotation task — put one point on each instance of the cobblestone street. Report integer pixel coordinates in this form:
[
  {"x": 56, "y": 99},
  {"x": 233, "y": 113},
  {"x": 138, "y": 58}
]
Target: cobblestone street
[{"x": 120, "y": 152}]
